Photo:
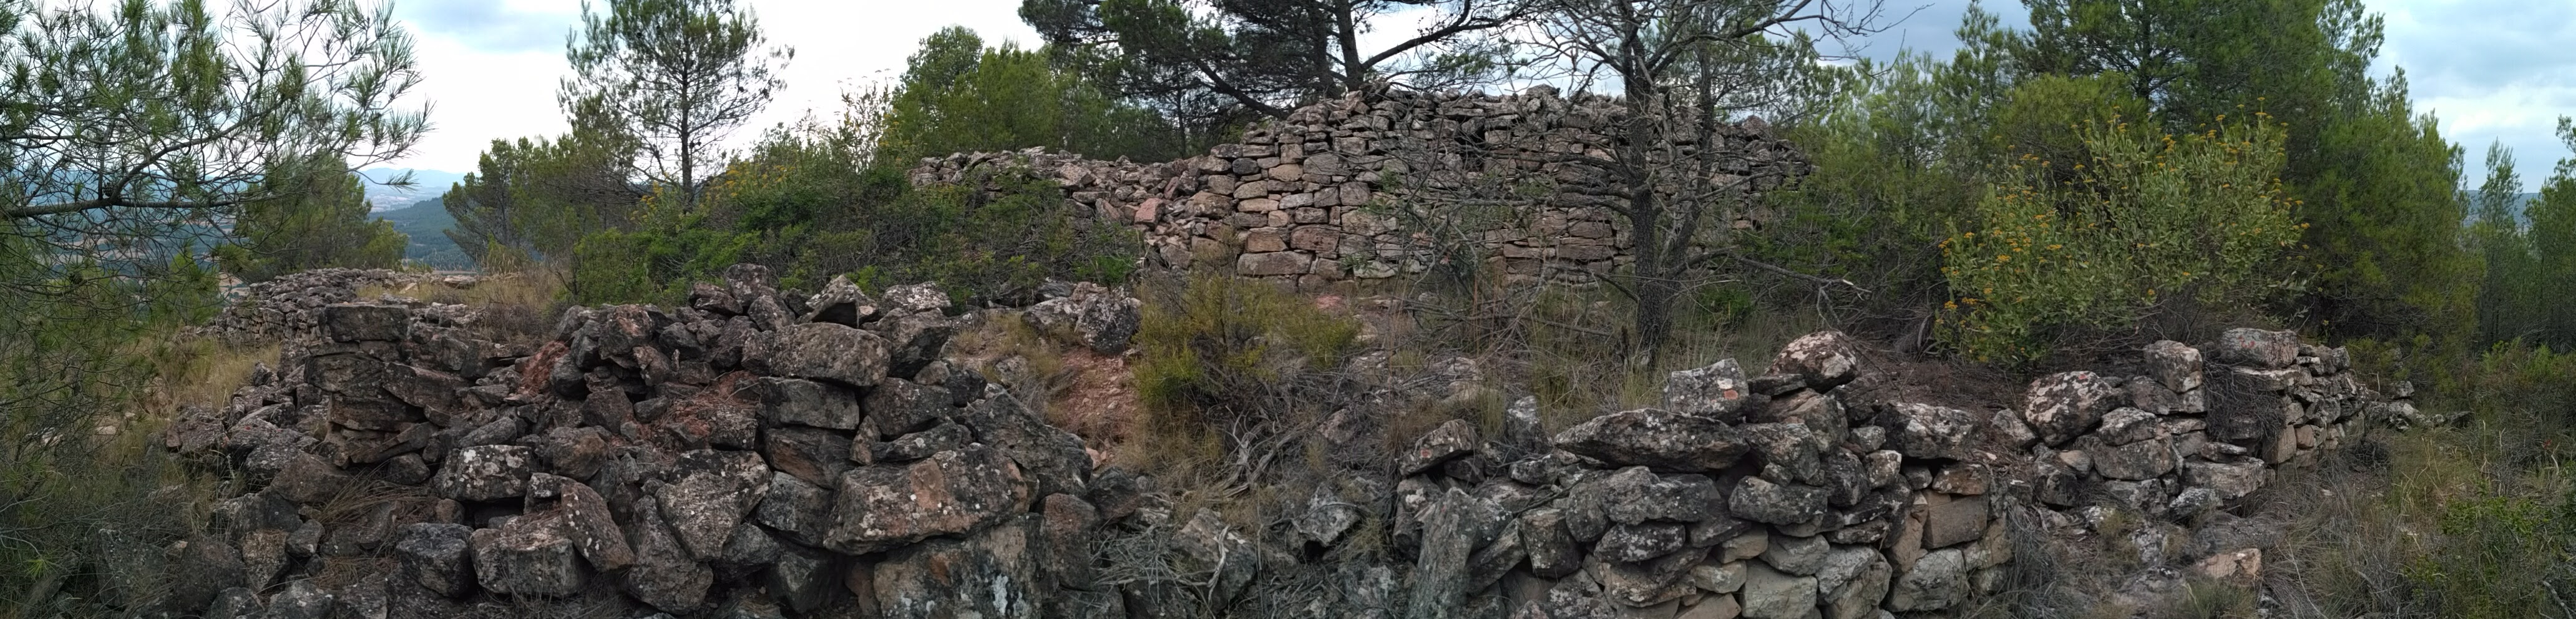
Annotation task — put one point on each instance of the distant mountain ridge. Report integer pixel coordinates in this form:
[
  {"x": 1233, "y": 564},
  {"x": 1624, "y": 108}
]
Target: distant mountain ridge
[
  {"x": 425, "y": 185},
  {"x": 427, "y": 222}
]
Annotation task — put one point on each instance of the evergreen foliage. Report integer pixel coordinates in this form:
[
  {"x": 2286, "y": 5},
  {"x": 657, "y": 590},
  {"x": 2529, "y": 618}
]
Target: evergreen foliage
[{"x": 310, "y": 231}]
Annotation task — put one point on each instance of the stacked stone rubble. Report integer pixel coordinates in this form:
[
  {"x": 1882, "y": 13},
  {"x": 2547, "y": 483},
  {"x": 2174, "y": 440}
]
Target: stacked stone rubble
[
  {"x": 762, "y": 454},
  {"x": 743, "y": 456},
  {"x": 1772, "y": 496},
  {"x": 1343, "y": 189},
  {"x": 290, "y": 304}
]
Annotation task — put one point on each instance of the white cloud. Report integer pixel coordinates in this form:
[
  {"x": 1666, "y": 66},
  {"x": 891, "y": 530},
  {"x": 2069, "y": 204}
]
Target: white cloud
[{"x": 490, "y": 67}]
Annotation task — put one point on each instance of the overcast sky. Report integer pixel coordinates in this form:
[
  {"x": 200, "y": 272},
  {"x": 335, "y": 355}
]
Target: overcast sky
[{"x": 2491, "y": 69}]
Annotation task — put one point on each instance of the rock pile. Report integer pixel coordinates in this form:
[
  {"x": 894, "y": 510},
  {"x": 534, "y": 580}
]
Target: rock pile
[
  {"x": 1310, "y": 198},
  {"x": 1770, "y": 496},
  {"x": 764, "y": 454},
  {"x": 745, "y": 456}
]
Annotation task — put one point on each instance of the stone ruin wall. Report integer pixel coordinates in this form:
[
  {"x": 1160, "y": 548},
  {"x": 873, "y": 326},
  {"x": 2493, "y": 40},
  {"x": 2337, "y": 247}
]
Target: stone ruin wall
[
  {"x": 760, "y": 454},
  {"x": 1315, "y": 198}
]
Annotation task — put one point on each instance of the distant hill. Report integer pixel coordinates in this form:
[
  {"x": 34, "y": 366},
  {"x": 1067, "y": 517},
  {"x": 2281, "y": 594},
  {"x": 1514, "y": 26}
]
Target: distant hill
[
  {"x": 427, "y": 222},
  {"x": 2520, "y": 203},
  {"x": 425, "y": 184}
]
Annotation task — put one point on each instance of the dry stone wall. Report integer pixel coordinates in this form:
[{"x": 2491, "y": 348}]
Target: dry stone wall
[
  {"x": 1773, "y": 496},
  {"x": 768, "y": 454},
  {"x": 1373, "y": 186}
]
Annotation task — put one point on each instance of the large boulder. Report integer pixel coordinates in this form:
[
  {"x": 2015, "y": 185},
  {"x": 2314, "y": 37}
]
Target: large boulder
[
  {"x": 952, "y": 493},
  {"x": 2064, "y": 405},
  {"x": 1656, "y": 438}
]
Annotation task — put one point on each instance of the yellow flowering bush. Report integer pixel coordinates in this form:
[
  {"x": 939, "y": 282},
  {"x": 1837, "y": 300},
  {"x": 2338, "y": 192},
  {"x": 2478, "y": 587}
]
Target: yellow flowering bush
[{"x": 2098, "y": 242}]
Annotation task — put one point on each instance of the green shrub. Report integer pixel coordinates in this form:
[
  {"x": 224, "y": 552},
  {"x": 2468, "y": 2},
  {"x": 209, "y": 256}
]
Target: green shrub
[
  {"x": 803, "y": 206},
  {"x": 1221, "y": 349},
  {"x": 2106, "y": 240}
]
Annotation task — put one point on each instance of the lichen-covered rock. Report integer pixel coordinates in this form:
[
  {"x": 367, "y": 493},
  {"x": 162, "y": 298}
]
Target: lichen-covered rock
[
  {"x": 841, "y": 302},
  {"x": 484, "y": 473},
  {"x": 664, "y": 574},
  {"x": 1052, "y": 459},
  {"x": 1856, "y": 596},
  {"x": 815, "y": 455},
  {"x": 1631, "y": 543},
  {"x": 2174, "y": 365},
  {"x": 580, "y": 513},
  {"x": 954, "y": 492},
  {"x": 438, "y": 556},
  {"x": 805, "y": 402},
  {"x": 2144, "y": 459},
  {"x": 822, "y": 351},
  {"x": 1553, "y": 552},
  {"x": 1938, "y": 580},
  {"x": 2232, "y": 478},
  {"x": 917, "y": 298},
  {"x": 713, "y": 492},
  {"x": 1801, "y": 556},
  {"x": 1770, "y": 594},
  {"x": 2129, "y": 425},
  {"x": 1326, "y": 517},
  {"x": 1932, "y": 432},
  {"x": 523, "y": 559},
  {"x": 989, "y": 575},
  {"x": 2064, "y": 405},
  {"x": 1717, "y": 392},
  {"x": 1449, "y": 441},
  {"x": 366, "y": 322},
  {"x": 2258, "y": 348},
  {"x": 1656, "y": 438},
  {"x": 1824, "y": 360},
  {"x": 1103, "y": 319},
  {"x": 800, "y": 510},
  {"x": 1636, "y": 494},
  {"x": 913, "y": 340},
  {"x": 1782, "y": 503}
]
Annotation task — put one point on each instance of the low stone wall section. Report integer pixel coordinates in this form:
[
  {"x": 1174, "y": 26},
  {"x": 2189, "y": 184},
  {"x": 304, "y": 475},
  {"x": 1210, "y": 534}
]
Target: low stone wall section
[{"x": 1373, "y": 186}]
